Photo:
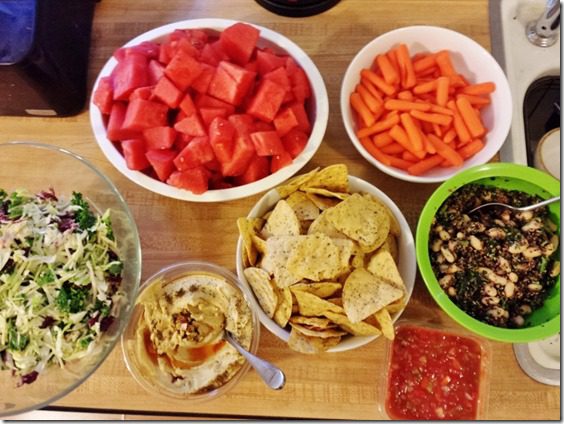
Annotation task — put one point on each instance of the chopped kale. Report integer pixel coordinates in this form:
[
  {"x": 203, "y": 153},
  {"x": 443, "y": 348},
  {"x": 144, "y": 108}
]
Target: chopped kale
[{"x": 84, "y": 217}]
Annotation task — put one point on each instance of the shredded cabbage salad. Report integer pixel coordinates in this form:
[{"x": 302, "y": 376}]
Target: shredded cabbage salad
[{"x": 60, "y": 277}]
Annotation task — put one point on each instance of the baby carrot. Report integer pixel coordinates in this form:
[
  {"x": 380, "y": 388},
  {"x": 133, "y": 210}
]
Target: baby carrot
[
  {"x": 405, "y": 95},
  {"x": 382, "y": 157},
  {"x": 379, "y": 126},
  {"x": 446, "y": 151},
  {"x": 407, "y": 72},
  {"x": 458, "y": 124},
  {"x": 427, "y": 146},
  {"x": 371, "y": 89},
  {"x": 388, "y": 71},
  {"x": 382, "y": 139},
  {"x": 470, "y": 117},
  {"x": 400, "y": 163},
  {"x": 449, "y": 136},
  {"x": 407, "y": 155},
  {"x": 442, "y": 110},
  {"x": 445, "y": 65},
  {"x": 373, "y": 104},
  {"x": 373, "y": 150},
  {"x": 392, "y": 149},
  {"x": 476, "y": 100},
  {"x": 435, "y": 118},
  {"x": 425, "y": 165},
  {"x": 404, "y": 105},
  {"x": 360, "y": 107},
  {"x": 399, "y": 135},
  {"x": 378, "y": 82},
  {"x": 478, "y": 89},
  {"x": 412, "y": 131},
  {"x": 442, "y": 90},
  {"x": 424, "y": 64},
  {"x": 425, "y": 87},
  {"x": 471, "y": 148}
]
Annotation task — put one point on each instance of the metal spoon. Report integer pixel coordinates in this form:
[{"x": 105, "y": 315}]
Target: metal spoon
[
  {"x": 270, "y": 374},
  {"x": 522, "y": 208}
]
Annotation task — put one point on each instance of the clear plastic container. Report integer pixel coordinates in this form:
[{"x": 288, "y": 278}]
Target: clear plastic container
[
  {"x": 138, "y": 347},
  {"x": 428, "y": 374}
]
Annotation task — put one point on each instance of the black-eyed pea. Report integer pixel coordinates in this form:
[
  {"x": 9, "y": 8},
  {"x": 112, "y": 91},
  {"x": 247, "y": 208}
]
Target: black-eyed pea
[
  {"x": 534, "y": 287},
  {"x": 436, "y": 246},
  {"x": 504, "y": 265},
  {"x": 460, "y": 235},
  {"x": 438, "y": 228},
  {"x": 518, "y": 320},
  {"x": 532, "y": 252},
  {"x": 496, "y": 233},
  {"x": 509, "y": 289},
  {"x": 444, "y": 235},
  {"x": 453, "y": 268},
  {"x": 451, "y": 291},
  {"x": 518, "y": 247},
  {"x": 555, "y": 270},
  {"x": 476, "y": 243},
  {"x": 524, "y": 216},
  {"x": 506, "y": 216},
  {"x": 513, "y": 277},
  {"x": 497, "y": 312},
  {"x": 525, "y": 309},
  {"x": 448, "y": 255},
  {"x": 490, "y": 301},
  {"x": 499, "y": 222},
  {"x": 532, "y": 225},
  {"x": 490, "y": 290},
  {"x": 440, "y": 258},
  {"x": 446, "y": 281}
]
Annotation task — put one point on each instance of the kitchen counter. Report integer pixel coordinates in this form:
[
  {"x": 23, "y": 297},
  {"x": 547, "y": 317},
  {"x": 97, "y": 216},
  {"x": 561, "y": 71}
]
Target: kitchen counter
[{"x": 331, "y": 386}]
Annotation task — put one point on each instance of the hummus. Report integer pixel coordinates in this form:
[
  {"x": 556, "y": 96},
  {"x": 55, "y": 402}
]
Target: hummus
[{"x": 181, "y": 328}]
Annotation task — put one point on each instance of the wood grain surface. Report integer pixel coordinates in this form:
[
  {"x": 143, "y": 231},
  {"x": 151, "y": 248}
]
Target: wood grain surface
[{"x": 332, "y": 386}]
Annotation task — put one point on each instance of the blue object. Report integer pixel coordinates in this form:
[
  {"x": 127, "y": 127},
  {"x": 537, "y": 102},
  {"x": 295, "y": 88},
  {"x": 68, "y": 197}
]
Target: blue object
[{"x": 17, "y": 29}]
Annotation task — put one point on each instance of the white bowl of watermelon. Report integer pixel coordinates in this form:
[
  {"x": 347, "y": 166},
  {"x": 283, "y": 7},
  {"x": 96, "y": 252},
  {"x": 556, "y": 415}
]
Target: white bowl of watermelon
[{"x": 209, "y": 110}]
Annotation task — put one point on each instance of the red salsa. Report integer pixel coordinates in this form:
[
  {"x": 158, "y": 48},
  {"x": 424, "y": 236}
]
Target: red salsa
[{"x": 433, "y": 375}]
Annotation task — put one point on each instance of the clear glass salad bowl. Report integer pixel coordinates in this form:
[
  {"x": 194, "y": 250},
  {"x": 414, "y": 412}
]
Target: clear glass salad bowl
[{"x": 36, "y": 168}]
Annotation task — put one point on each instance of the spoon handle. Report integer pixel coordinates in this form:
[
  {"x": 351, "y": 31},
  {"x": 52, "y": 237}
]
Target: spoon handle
[
  {"x": 541, "y": 204},
  {"x": 270, "y": 374}
]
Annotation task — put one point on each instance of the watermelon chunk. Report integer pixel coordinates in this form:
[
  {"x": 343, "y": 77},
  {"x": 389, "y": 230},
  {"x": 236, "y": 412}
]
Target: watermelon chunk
[
  {"x": 183, "y": 69},
  {"x": 115, "y": 131},
  {"x": 267, "y": 101},
  {"x": 239, "y": 41},
  {"x": 268, "y": 61},
  {"x": 155, "y": 71},
  {"x": 104, "y": 95},
  {"x": 208, "y": 114},
  {"x": 202, "y": 82},
  {"x": 267, "y": 143},
  {"x": 129, "y": 73},
  {"x": 295, "y": 141},
  {"x": 167, "y": 92},
  {"x": 280, "y": 161},
  {"x": 231, "y": 83},
  {"x": 134, "y": 154},
  {"x": 142, "y": 114},
  {"x": 196, "y": 153},
  {"x": 194, "y": 179},
  {"x": 259, "y": 167},
  {"x": 191, "y": 125},
  {"x": 285, "y": 121},
  {"x": 187, "y": 105},
  {"x": 162, "y": 162},
  {"x": 159, "y": 138},
  {"x": 221, "y": 135},
  {"x": 243, "y": 153},
  {"x": 280, "y": 77}
]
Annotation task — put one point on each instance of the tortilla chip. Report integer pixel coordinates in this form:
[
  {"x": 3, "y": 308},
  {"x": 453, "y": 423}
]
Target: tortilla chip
[
  {"x": 259, "y": 243},
  {"x": 278, "y": 249},
  {"x": 382, "y": 265},
  {"x": 362, "y": 220},
  {"x": 391, "y": 245},
  {"x": 356, "y": 329},
  {"x": 310, "y": 305},
  {"x": 301, "y": 343},
  {"x": 336, "y": 301},
  {"x": 246, "y": 230},
  {"x": 385, "y": 322},
  {"x": 281, "y": 222},
  {"x": 320, "y": 289},
  {"x": 322, "y": 202},
  {"x": 321, "y": 225},
  {"x": 358, "y": 260},
  {"x": 324, "y": 334},
  {"x": 283, "y": 311},
  {"x": 259, "y": 280},
  {"x": 333, "y": 178},
  {"x": 395, "y": 228},
  {"x": 325, "y": 192},
  {"x": 303, "y": 207},
  {"x": 364, "y": 293},
  {"x": 294, "y": 184},
  {"x": 398, "y": 305},
  {"x": 313, "y": 322},
  {"x": 316, "y": 258}
]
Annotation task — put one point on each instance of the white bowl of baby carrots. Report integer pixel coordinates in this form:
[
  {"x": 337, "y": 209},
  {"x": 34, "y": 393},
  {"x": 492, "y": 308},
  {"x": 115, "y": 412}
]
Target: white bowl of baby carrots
[{"x": 422, "y": 103}]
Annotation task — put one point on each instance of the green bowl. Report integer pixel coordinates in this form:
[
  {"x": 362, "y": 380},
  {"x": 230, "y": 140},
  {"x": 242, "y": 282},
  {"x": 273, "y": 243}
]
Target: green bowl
[{"x": 542, "y": 323}]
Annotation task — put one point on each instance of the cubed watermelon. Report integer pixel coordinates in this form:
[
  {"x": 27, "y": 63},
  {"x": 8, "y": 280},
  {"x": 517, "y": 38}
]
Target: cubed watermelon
[
  {"x": 267, "y": 100},
  {"x": 284, "y": 121},
  {"x": 268, "y": 61},
  {"x": 129, "y": 74},
  {"x": 183, "y": 69},
  {"x": 194, "y": 179},
  {"x": 155, "y": 71},
  {"x": 114, "y": 130},
  {"x": 280, "y": 161},
  {"x": 167, "y": 92},
  {"x": 243, "y": 153},
  {"x": 104, "y": 95},
  {"x": 203, "y": 100},
  {"x": 202, "y": 82},
  {"x": 159, "y": 138},
  {"x": 300, "y": 113},
  {"x": 162, "y": 162},
  {"x": 191, "y": 125},
  {"x": 187, "y": 105},
  {"x": 196, "y": 153},
  {"x": 280, "y": 77},
  {"x": 144, "y": 93},
  {"x": 231, "y": 83},
  {"x": 267, "y": 143},
  {"x": 222, "y": 138},
  {"x": 134, "y": 154},
  {"x": 142, "y": 114},
  {"x": 239, "y": 41},
  {"x": 259, "y": 167},
  {"x": 208, "y": 114},
  {"x": 295, "y": 141},
  {"x": 242, "y": 123}
]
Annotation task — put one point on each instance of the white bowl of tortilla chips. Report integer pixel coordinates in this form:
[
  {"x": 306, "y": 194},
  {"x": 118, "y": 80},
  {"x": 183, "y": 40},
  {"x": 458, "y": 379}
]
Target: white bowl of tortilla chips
[{"x": 330, "y": 260}]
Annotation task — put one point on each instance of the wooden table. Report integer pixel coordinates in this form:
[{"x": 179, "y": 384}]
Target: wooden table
[{"x": 331, "y": 386}]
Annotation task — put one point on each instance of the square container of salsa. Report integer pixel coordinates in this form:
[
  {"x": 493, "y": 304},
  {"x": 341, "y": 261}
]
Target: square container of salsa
[{"x": 436, "y": 374}]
